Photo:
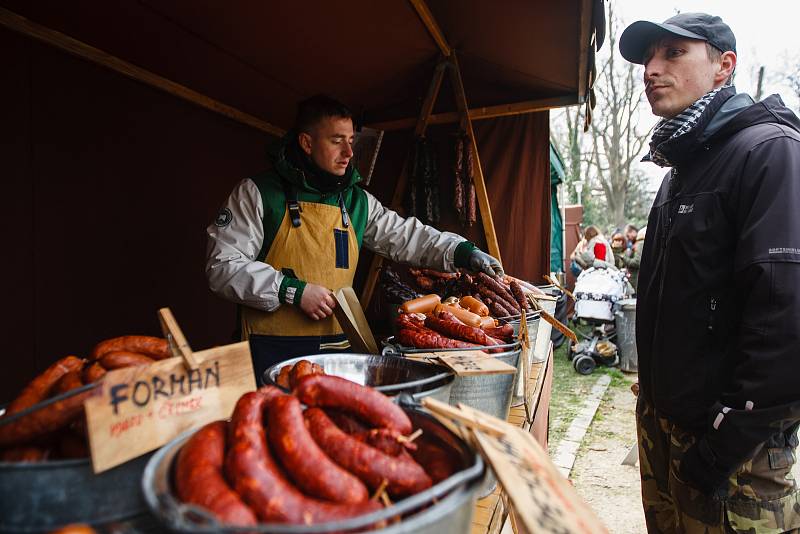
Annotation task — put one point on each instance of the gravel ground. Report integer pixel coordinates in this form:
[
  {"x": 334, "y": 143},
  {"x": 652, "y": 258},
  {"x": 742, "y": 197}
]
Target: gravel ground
[{"x": 610, "y": 488}]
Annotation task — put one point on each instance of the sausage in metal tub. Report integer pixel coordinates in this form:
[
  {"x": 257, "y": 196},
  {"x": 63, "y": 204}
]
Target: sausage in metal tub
[
  {"x": 255, "y": 476},
  {"x": 327, "y": 391},
  {"x": 199, "y": 479},
  {"x": 154, "y": 347},
  {"x": 304, "y": 461},
  {"x": 403, "y": 475}
]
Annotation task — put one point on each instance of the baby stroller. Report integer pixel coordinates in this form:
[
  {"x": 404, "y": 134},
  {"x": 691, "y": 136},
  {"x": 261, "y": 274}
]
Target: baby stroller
[{"x": 596, "y": 292}]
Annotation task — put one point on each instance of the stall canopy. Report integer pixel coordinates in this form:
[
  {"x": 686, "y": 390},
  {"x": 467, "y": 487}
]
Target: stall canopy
[{"x": 126, "y": 123}]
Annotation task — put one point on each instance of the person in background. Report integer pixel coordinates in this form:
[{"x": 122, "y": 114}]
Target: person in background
[
  {"x": 632, "y": 262},
  {"x": 597, "y": 248},
  {"x": 630, "y": 238},
  {"x": 619, "y": 249},
  {"x": 288, "y": 237},
  {"x": 718, "y": 306}
]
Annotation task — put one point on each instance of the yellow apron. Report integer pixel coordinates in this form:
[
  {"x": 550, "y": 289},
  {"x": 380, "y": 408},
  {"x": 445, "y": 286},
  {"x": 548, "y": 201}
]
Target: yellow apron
[{"x": 310, "y": 250}]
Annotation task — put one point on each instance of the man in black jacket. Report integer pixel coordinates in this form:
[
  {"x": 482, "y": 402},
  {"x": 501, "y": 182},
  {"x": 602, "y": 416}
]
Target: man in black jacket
[{"x": 718, "y": 314}]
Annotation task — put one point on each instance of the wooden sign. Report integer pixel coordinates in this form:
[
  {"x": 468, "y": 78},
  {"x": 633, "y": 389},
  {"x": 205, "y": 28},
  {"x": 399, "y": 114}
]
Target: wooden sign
[
  {"x": 472, "y": 362},
  {"x": 138, "y": 409},
  {"x": 350, "y": 314},
  {"x": 543, "y": 500}
]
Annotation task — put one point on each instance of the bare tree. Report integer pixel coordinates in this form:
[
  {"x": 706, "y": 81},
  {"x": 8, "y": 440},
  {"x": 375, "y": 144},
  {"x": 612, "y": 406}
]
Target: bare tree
[
  {"x": 604, "y": 158},
  {"x": 615, "y": 142}
]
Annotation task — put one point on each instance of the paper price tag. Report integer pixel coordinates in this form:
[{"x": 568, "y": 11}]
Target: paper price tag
[{"x": 138, "y": 409}]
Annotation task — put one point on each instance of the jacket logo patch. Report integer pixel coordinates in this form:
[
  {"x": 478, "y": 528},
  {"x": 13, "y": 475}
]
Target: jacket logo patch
[
  {"x": 784, "y": 250},
  {"x": 685, "y": 208},
  {"x": 224, "y": 217}
]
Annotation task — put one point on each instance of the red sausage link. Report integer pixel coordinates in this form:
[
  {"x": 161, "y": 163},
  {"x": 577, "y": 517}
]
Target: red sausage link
[
  {"x": 119, "y": 359},
  {"x": 329, "y": 391},
  {"x": 25, "y": 453},
  {"x": 283, "y": 377},
  {"x": 346, "y": 422},
  {"x": 154, "y": 347},
  {"x": 39, "y": 388},
  {"x": 301, "y": 369},
  {"x": 385, "y": 440},
  {"x": 403, "y": 474},
  {"x": 255, "y": 476},
  {"x": 49, "y": 418},
  {"x": 93, "y": 372},
  {"x": 199, "y": 479},
  {"x": 302, "y": 458}
]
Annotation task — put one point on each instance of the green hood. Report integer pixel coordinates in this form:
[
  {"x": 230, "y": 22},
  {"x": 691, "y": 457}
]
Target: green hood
[{"x": 277, "y": 155}]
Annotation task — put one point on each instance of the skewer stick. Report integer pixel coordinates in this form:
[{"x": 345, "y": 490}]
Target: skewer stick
[
  {"x": 552, "y": 320},
  {"x": 380, "y": 491},
  {"x": 559, "y": 286},
  {"x": 411, "y": 437}
]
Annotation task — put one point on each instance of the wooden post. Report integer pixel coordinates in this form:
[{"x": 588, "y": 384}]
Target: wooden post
[
  {"x": 400, "y": 187},
  {"x": 480, "y": 184}
]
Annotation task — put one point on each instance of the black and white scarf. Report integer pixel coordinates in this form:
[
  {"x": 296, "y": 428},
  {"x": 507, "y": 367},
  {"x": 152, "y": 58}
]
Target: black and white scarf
[{"x": 680, "y": 124}]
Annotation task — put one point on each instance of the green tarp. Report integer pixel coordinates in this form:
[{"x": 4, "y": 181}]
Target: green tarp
[{"x": 557, "y": 175}]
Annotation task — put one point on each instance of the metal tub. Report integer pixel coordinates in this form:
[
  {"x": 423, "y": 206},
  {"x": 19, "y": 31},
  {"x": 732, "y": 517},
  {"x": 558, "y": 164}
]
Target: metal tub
[
  {"x": 390, "y": 375},
  {"x": 445, "y": 508},
  {"x": 42, "y": 496}
]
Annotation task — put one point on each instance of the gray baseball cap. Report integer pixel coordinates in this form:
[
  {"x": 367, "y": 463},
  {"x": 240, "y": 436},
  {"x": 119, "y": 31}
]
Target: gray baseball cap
[{"x": 637, "y": 38}]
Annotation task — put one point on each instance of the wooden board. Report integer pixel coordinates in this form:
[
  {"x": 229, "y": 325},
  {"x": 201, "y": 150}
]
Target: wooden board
[
  {"x": 138, "y": 409},
  {"x": 350, "y": 314},
  {"x": 543, "y": 500}
]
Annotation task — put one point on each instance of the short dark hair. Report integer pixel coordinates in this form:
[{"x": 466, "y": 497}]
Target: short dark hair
[
  {"x": 630, "y": 228},
  {"x": 312, "y": 110}
]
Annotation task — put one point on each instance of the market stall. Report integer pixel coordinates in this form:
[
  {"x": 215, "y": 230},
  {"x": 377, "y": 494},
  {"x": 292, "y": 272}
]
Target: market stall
[{"x": 128, "y": 122}]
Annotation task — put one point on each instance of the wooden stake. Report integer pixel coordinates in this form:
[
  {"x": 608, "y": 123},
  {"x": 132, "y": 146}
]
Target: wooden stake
[
  {"x": 400, "y": 187},
  {"x": 380, "y": 491},
  {"x": 177, "y": 341},
  {"x": 26, "y": 27},
  {"x": 411, "y": 437},
  {"x": 552, "y": 320},
  {"x": 480, "y": 183}
]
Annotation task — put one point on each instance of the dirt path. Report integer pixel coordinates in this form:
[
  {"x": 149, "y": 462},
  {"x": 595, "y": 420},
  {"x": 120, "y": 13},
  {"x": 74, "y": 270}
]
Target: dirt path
[{"x": 610, "y": 488}]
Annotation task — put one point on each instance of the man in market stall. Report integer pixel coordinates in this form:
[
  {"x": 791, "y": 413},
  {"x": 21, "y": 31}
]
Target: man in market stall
[
  {"x": 286, "y": 238},
  {"x": 718, "y": 310}
]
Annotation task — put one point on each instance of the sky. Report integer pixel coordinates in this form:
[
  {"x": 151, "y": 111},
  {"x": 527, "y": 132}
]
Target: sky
[{"x": 767, "y": 33}]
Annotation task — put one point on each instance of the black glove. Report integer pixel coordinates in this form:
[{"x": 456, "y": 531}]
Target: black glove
[
  {"x": 481, "y": 261},
  {"x": 698, "y": 469}
]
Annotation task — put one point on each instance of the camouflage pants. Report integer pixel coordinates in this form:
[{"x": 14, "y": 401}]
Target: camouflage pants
[{"x": 761, "y": 498}]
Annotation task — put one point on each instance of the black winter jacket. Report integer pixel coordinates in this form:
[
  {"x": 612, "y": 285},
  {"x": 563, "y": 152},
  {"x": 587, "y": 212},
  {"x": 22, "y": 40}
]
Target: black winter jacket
[{"x": 718, "y": 312}]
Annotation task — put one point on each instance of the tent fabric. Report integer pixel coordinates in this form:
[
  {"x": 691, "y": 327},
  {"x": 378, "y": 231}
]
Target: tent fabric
[
  {"x": 557, "y": 176},
  {"x": 263, "y": 57}
]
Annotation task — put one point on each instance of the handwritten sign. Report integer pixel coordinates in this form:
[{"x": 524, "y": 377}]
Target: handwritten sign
[
  {"x": 474, "y": 362},
  {"x": 542, "y": 499},
  {"x": 138, "y": 409}
]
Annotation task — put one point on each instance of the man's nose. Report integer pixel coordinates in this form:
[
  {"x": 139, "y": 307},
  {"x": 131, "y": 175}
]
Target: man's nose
[
  {"x": 347, "y": 151},
  {"x": 652, "y": 69}
]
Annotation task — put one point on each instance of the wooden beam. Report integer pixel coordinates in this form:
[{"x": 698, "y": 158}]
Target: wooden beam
[
  {"x": 433, "y": 27},
  {"x": 26, "y": 27},
  {"x": 490, "y": 112},
  {"x": 400, "y": 186},
  {"x": 478, "y": 179}
]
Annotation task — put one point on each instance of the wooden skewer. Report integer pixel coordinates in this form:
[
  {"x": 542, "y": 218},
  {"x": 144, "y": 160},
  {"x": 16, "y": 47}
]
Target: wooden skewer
[
  {"x": 380, "y": 491},
  {"x": 559, "y": 286},
  {"x": 552, "y": 320},
  {"x": 411, "y": 437},
  {"x": 387, "y": 502}
]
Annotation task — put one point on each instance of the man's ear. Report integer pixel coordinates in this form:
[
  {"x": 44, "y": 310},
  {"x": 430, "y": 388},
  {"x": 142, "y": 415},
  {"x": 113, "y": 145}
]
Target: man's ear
[
  {"x": 305, "y": 142},
  {"x": 726, "y": 67}
]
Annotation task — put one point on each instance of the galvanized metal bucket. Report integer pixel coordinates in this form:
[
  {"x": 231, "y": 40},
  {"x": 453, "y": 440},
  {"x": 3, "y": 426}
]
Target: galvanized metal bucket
[
  {"x": 625, "y": 318},
  {"x": 390, "y": 375},
  {"x": 43, "y": 496},
  {"x": 445, "y": 508}
]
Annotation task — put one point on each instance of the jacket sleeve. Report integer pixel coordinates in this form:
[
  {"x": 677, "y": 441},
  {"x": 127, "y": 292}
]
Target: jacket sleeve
[
  {"x": 409, "y": 241},
  {"x": 234, "y": 240},
  {"x": 761, "y": 398}
]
